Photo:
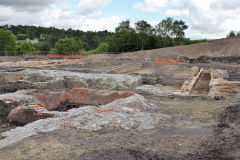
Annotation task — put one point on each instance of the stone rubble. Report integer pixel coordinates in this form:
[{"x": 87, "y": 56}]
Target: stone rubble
[
  {"x": 25, "y": 106},
  {"x": 126, "y": 113},
  {"x": 11, "y": 100},
  {"x": 39, "y": 93}
]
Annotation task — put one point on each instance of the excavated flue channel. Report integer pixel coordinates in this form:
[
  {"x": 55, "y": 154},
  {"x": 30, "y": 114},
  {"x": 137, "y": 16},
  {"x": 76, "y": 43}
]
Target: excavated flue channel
[
  {"x": 64, "y": 107},
  {"x": 5, "y": 125}
]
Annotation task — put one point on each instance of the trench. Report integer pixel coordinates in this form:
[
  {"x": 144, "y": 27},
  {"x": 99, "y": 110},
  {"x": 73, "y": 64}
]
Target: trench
[
  {"x": 226, "y": 141},
  {"x": 64, "y": 107},
  {"x": 228, "y": 132},
  {"x": 202, "y": 85},
  {"x": 5, "y": 125}
]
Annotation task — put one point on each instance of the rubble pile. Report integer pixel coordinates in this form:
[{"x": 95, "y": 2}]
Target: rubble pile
[{"x": 125, "y": 113}]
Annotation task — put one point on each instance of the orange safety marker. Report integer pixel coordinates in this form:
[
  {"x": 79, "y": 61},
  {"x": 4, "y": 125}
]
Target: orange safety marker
[
  {"x": 65, "y": 56},
  {"x": 167, "y": 60}
]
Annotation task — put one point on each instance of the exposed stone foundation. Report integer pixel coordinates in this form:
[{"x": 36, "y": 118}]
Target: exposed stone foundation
[{"x": 211, "y": 82}]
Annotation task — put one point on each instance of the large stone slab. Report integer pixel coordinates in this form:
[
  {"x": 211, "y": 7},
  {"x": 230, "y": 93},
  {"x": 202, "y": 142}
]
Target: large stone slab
[{"x": 54, "y": 79}]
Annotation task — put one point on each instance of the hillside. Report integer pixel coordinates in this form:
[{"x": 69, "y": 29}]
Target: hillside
[{"x": 214, "y": 48}]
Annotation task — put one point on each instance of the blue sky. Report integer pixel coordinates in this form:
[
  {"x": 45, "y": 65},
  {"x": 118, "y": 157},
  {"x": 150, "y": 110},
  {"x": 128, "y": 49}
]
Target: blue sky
[
  {"x": 205, "y": 18},
  {"x": 125, "y": 9}
]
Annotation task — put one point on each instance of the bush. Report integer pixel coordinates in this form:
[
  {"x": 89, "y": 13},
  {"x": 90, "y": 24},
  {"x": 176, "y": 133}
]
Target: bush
[
  {"x": 102, "y": 48},
  {"x": 42, "y": 46},
  {"x": 21, "y": 36},
  {"x": 68, "y": 45},
  {"x": 7, "y": 41},
  {"x": 26, "y": 47}
]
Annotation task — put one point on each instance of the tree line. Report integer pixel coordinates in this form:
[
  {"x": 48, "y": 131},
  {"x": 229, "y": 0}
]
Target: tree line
[
  {"x": 167, "y": 33},
  {"x": 233, "y": 34},
  {"x": 52, "y": 35},
  {"x": 126, "y": 38}
]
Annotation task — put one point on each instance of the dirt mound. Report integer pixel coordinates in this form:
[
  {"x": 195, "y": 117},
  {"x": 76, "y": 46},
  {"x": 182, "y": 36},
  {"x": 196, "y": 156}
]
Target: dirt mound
[
  {"x": 214, "y": 48},
  {"x": 207, "y": 59}
]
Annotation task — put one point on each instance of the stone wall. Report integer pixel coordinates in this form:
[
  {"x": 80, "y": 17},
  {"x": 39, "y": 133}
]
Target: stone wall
[{"x": 211, "y": 82}]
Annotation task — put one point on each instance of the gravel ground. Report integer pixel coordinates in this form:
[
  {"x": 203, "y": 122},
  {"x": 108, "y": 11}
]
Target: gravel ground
[{"x": 192, "y": 128}]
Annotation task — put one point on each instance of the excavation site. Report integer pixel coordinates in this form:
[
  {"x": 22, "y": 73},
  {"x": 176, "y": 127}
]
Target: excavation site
[{"x": 171, "y": 103}]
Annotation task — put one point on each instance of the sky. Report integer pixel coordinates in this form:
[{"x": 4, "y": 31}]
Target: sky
[{"x": 209, "y": 19}]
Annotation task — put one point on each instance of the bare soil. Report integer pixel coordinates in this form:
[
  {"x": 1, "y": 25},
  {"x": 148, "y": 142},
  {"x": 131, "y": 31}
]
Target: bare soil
[
  {"x": 199, "y": 128},
  {"x": 191, "y": 134}
]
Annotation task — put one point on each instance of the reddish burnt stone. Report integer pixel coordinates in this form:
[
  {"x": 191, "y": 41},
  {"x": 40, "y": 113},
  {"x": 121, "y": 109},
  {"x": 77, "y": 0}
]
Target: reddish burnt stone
[
  {"x": 52, "y": 101},
  {"x": 80, "y": 96},
  {"x": 100, "y": 110},
  {"x": 87, "y": 97},
  {"x": 24, "y": 115},
  {"x": 110, "y": 97}
]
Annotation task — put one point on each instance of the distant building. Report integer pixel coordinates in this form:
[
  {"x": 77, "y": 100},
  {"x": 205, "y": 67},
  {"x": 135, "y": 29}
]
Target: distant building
[
  {"x": 29, "y": 40},
  {"x": 43, "y": 36}
]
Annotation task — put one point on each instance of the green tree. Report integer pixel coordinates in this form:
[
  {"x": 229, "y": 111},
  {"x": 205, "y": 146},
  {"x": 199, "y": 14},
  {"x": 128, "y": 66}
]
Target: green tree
[
  {"x": 7, "y": 41},
  {"x": 26, "y": 47},
  {"x": 103, "y": 48},
  {"x": 124, "y": 42},
  {"x": 238, "y": 34},
  {"x": 178, "y": 29},
  {"x": 69, "y": 45},
  {"x": 125, "y": 39},
  {"x": 232, "y": 34},
  {"x": 171, "y": 31},
  {"x": 21, "y": 36},
  {"x": 165, "y": 28},
  {"x": 42, "y": 46},
  {"x": 124, "y": 26},
  {"x": 145, "y": 31},
  {"x": 53, "y": 35}
]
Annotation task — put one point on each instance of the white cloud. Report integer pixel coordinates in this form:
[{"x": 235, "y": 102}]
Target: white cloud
[
  {"x": 226, "y": 4},
  {"x": 206, "y": 18},
  {"x": 102, "y": 24},
  {"x": 61, "y": 16},
  {"x": 176, "y": 12},
  {"x": 5, "y": 13},
  {"x": 151, "y": 5},
  {"x": 27, "y": 5},
  {"x": 90, "y": 6}
]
